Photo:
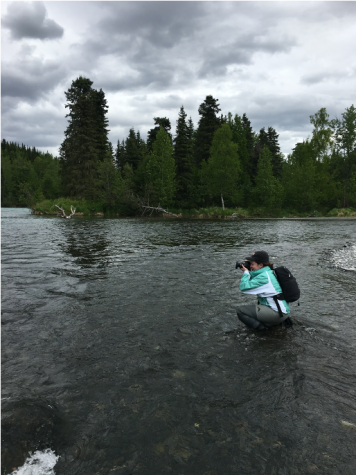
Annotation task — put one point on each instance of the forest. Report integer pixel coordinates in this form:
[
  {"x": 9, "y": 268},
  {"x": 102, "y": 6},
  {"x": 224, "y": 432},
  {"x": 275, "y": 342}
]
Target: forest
[{"x": 221, "y": 163}]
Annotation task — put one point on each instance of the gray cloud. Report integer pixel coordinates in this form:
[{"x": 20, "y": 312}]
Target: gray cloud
[
  {"x": 45, "y": 137},
  {"x": 278, "y": 62},
  {"x": 158, "y": 40},
  {"x": 151, "y": 79},
  {"x": 28, "y": 20},
  {"x": 242, "y": 51},
  {"x": 340, "y": 8},
  {"x": 33, "y": 81},
  {"x": 162, "y": 24},
  {"x": 325, "y": 76}
]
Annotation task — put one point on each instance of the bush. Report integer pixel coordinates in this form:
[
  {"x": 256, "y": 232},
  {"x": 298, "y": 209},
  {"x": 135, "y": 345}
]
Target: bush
[{"x": 340, "y": 212}]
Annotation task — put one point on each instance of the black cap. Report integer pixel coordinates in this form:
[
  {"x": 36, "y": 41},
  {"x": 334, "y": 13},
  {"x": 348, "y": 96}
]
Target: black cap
[{"x": 259, "y": 256}]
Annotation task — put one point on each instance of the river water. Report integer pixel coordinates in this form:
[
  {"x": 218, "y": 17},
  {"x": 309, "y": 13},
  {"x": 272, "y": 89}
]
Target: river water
[{"x": 122, "y": 352}]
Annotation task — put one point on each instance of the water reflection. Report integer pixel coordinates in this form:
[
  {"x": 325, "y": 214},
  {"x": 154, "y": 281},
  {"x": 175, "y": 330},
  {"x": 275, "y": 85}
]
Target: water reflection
[{"x": 86, "y": 241}]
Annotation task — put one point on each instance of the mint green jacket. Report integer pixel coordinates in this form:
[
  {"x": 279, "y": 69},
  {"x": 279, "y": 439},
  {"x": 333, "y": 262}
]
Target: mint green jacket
[{"x": 264, "y": 284}]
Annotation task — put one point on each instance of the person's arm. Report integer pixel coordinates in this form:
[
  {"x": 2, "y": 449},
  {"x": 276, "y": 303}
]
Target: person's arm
[{"x": 259, "y": 284}]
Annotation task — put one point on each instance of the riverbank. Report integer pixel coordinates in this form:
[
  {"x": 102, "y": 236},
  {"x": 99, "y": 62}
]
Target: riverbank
[{"x": 99, "y": 209}]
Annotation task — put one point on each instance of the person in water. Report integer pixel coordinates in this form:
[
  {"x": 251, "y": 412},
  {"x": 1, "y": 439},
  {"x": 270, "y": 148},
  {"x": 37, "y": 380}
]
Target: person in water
[{"x": 262, "y": 282}]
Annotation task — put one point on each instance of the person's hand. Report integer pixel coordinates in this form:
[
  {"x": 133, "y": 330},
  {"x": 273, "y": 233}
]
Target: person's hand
[{"x": 243, "y": 268}]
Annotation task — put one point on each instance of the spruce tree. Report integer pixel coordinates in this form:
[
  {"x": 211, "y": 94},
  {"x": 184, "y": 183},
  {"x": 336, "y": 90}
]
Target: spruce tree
[
  {"x": 161, "y": 170},
  {"x": 142, "y": 147},
  {"x": 183, "y": 158},
  {"x": 152, "y": 133},
  {"x": 275, "y": 149},
  {"x": 239, "y": 137},
  {"x": 85, "y": 143},
  {"x": 132, "y": 151},
  {"x": 132, "y": 155},
  {"x": 208, "y": 124},
  {"x": 263, "y": 138},
  {"x": 246, "y": 124},
  {"x": 250, "y": 145},
  {"x": 101, "y": 123},
  {"x": 270, "y": 140},
  {"x": 120, "y": 155}
]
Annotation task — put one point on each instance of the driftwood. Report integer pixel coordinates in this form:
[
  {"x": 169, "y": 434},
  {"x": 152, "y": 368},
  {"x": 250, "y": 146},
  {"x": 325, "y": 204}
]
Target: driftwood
[
  {"x": 158, "y": 208},
  {"x": 63, "y": 215}
]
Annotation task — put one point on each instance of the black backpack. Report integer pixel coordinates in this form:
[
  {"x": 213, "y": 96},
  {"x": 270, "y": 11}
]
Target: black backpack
[{"x": 288, "y": 283}]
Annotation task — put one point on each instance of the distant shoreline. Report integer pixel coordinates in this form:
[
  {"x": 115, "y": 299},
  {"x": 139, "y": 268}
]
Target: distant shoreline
[
  {"x": 205, "y": 214},
  {"x": 206, "y": 218}
]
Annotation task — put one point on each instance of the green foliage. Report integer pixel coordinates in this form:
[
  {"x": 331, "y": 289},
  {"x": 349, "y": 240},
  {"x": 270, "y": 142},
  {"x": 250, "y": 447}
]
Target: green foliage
[
  {"x": 299, "y": 178},
  {"x": 161, "y": 170},
  {"x": 25, "y": 179},
  {"x": 343, "y": 158},
  {"x": 111, "y": 183},
  {"x": 222, "y": 172},
  {"x": 132, "y": 151},
  {"x": 342, "y": 212},
  {"x": 268, "y": 191},
  {"x": 240, "y": 137},
  {"x": 274, "y": 148},
  {"x": 250, "y": 145},
  {"x": 322, "y": 133}
]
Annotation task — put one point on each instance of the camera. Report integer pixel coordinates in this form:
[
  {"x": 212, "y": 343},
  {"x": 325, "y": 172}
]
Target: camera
[{"x": 247, "y": 264}]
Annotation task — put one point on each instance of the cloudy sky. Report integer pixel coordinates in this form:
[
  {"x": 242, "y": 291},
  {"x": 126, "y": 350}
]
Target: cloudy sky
[{"x": 279, "y": 62}]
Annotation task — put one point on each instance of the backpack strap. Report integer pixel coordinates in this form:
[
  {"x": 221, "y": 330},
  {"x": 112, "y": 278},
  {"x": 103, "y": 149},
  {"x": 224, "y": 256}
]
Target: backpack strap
[{"x": 276, "y": 298}]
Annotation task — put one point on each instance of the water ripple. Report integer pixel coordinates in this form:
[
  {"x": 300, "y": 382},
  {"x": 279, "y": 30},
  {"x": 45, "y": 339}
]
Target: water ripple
[{"x": 128, "y": 328}]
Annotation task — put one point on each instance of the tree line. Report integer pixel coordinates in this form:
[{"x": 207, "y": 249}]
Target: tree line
[
  {"x": 28, "y": 175},
  {"x": 222, "y": 161}
]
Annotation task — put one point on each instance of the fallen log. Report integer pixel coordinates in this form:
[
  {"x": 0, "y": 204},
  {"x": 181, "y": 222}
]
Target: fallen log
[
  {"x": 63, "y": 215},
  {"x": 158, "y": 208}
]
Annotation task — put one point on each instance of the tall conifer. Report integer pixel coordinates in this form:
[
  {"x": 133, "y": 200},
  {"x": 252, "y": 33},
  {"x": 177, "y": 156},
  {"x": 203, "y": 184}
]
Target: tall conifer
[
  {"x": 120, "y": 155},
  {"x": 183, "y": 158},
  {"x": 152, "y": 133},
  {"x": 85, "y": 143},
  {"x": 239, "y": 133},
  {"x": 250, "y": 145},
  {"x": 209, "y": 122},
  {"x": 275, "y": 149},
  {"x": 270, "y": 140}
]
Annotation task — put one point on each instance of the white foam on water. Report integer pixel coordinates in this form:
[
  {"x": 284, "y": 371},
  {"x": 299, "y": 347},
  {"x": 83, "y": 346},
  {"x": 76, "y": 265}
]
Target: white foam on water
[
  {"x": 345, "y": 258},
  {"x": 38, "y": 463}
]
